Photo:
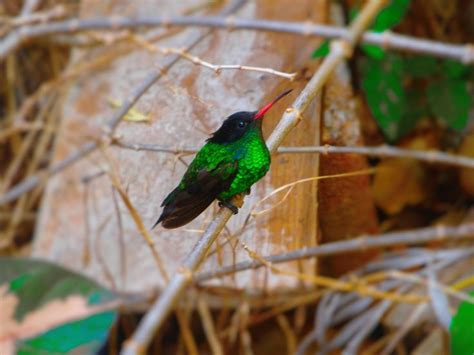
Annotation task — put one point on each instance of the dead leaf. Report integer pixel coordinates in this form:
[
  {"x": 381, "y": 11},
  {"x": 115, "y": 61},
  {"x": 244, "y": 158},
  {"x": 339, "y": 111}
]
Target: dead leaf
[
  {"x": 402, "y": 182},
  {"x": 397, "y": 183},
  {"x": 133, "y": 115}
]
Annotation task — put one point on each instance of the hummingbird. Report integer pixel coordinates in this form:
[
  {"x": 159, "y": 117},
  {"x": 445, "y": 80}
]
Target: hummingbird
[{"x": 230, "y": 162}]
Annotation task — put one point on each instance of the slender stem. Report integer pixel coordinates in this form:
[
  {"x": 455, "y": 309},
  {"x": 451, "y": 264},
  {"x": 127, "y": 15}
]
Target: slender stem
[
  {"x": 158, "y": 313},
  {"x": 217, "y": 68},
  {"x": 29, "y": 6},
  {"x": 380, "y": 151},
  {"x": 362, "y": 243},
  {"x": 389, "y": 40}
]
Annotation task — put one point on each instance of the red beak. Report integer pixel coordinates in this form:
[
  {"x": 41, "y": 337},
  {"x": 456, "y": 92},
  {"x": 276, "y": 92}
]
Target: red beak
[{"x": 267, "y": 107}]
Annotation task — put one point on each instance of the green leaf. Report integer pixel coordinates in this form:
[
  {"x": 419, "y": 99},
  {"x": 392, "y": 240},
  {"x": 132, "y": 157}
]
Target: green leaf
[
  {"x": 417, "y": 106},
  {"x": 386, "y": 96},
  {"x": 454, "y": 69},
  {"x": 420, "y": 66},
  {"x": 449, "y": 100},
  {"x": 391, "y": 15},
  {"x": 53, "y": 310},
  {"x": 88, "y": 334},
  {"x": 322, "y": 50},
  {"x": 462, "y": 329},
  {"x": 373, "y": 51}
]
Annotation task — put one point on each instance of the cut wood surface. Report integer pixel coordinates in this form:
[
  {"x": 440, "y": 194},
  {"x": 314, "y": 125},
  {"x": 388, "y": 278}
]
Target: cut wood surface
[{"x": 79, "y": 226}]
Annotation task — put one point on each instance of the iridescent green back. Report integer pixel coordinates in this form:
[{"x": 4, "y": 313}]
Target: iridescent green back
[{"x": 251, "y": 153}]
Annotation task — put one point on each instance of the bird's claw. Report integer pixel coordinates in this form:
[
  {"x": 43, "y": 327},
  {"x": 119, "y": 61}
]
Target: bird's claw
[{"x": 230, "y": 206}]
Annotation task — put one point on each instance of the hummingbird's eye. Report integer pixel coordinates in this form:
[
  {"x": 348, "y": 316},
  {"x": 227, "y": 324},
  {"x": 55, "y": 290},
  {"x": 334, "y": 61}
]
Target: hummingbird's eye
[{"x": 241, "y": 124}]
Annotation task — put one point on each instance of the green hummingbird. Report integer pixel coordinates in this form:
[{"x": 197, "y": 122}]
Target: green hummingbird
[{"x": 232, "y": 160}]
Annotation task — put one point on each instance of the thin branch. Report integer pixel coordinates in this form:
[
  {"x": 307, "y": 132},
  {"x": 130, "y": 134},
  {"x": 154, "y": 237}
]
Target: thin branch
[
  {"x": 186, "y": 333},
  {"x": 290, "y": 186},
  {"x": 387, "y": 39},
  {"x": 401, "y": 332},
  {"x": 289, "y": 333},
  {"x": 381, "y": 151},
  {"x": 121, "y": 240},
  {"x": 29, "y": 18},
  {"x": 208, "y": 325},
  {"x": 217, "y": 68},
  {"x": 360, "y": 287},
  {"x": 7, "y": 131},
  {"x": 158, "y": 313},
  {"x": 29, "y": 6},
  {"x": 362, "y": 243},
  {"x": 139, "y": 223},
  {"x": 26, "y": 16}
]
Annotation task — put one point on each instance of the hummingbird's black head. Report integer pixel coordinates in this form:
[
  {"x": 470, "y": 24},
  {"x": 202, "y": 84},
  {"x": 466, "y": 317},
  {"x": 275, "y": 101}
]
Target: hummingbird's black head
[{"x": 234, "y": 127}]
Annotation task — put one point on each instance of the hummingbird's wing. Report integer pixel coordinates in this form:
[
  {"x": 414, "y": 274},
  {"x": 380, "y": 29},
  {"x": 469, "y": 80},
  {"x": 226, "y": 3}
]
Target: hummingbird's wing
[{"x": 182, "y": 205}]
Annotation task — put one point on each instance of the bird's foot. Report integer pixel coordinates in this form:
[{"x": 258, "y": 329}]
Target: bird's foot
[{"x": 230, "y": 206}]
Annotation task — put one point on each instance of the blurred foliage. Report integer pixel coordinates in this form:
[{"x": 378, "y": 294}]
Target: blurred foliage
[
  {"x": 389, "y": 17},
  {"x": 38, "y": 289},
  {"x": 322, "y": 50},
  {"x": 403, "y": 89},
  {"x": 462, "y": 329}
]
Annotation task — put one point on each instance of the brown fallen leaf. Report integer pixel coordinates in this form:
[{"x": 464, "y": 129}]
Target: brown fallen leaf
[
  {"x": 402, "y": 182},
  {"x": 398, "y": 183}
]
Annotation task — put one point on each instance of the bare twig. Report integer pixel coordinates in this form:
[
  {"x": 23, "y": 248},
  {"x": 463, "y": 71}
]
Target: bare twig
[
  {"x": 121, "y": 241},
  {"x": 215, "y": 67},
  {"x": 339, "y": 51},
  {"x": 381, "y": 151},
  {"x": 361, "y": 288},
  {"x": 186, "y": 333},
  {"x": 389, "y": 40},
  {"x": 46, "y": 16},
  {"x": 29, "y": 6},
  {"x": 139, "y": 224},
  {"x": 289, "y": 332},
  {"x": 290, "y": 186},
  {"x": 7, "y": 131},
  {"x": 404, "y": 329},
  {"x": 362, "y": 243},
  {"x": 208, "y": 325}
]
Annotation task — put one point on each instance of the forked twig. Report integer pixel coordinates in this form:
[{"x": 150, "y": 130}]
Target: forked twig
[{"x": 217, "y": 68}]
